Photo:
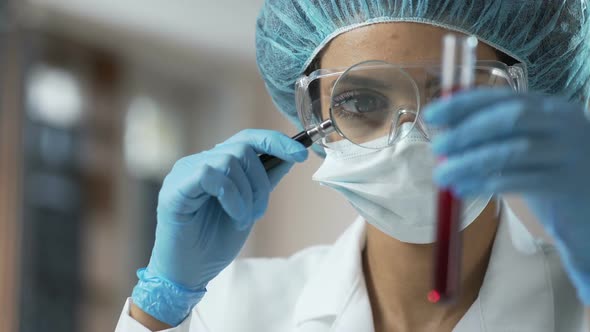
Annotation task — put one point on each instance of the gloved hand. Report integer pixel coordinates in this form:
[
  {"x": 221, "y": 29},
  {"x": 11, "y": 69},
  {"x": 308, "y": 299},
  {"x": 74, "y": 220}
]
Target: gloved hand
[
  {"x": 206, "y": 208},
  {"x": 538, "y": 146}
]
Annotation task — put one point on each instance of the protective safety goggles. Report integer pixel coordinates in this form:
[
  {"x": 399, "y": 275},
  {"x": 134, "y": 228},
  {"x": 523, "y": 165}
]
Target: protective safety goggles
[{"x": 371, "y": 100}]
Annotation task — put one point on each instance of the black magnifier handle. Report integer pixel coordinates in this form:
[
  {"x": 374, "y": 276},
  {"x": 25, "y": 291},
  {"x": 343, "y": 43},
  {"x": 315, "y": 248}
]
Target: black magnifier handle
[{"x": 270, "y": 162}]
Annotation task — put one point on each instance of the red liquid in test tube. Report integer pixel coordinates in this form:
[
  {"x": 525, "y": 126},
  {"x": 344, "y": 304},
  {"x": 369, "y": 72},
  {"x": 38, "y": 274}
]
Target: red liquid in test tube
[{"x": 458, "y": 57}]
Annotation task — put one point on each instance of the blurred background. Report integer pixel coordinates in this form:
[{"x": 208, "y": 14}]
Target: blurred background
[{"x": 97, "y": 101}]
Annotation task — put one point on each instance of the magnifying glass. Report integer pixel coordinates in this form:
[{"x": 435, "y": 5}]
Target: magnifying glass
[
  {"x": 371, "y": 101},
  {"x": 306, "y": 137},
  {"x": 368, "y": 104}
]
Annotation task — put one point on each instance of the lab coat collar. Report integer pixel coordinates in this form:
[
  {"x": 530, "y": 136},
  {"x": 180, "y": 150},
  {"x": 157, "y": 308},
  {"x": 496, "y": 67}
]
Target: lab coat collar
[
  {"x": 339, "y": 274},
  {"x": 516, "y": 294},
  {"x": 517, "y": 291}
]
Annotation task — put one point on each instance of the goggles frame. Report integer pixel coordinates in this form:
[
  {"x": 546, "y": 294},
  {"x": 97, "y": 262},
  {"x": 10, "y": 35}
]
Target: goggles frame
[{"x": 515, "y": 75}]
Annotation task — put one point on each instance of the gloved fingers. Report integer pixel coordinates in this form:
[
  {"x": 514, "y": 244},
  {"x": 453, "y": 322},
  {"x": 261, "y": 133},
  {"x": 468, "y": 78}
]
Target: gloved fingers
[
  {"x": 499, "y": 157},
  {"x": 271, "y": 142},
  {"x": 276, "y": 174},
  {"x": 216, "y": 183},
  {"x": 254, "y": 171},
  {"x": 510, "y": 118},
  {"x": 259, "y": 180},
  {"x": 516, "y": 182},
  {"x": 450, "y": 111},
  {"x": 181, "y": 192},
  {"x": 190, "y": 187},
  {"x": 234, "y": 170}
]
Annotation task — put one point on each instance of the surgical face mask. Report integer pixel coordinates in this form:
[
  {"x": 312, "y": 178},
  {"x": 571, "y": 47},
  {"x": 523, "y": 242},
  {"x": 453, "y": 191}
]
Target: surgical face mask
[{"x": 392, "y": 188}]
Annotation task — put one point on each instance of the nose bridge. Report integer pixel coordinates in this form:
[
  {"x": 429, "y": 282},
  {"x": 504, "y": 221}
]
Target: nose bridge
[{"x": 406, "y": 115}]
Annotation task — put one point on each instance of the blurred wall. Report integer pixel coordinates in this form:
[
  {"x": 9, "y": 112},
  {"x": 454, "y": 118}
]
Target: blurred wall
[
  {"x": 10, "y": 170},
  {"x": 186, "y": 73}
]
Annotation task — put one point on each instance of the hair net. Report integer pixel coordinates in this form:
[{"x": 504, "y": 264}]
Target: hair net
[{"x": 551, "y": 37}]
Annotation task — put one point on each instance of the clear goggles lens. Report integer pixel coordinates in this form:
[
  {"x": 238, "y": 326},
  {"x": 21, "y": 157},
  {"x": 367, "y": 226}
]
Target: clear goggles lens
[{"x": 371, "y": 100}]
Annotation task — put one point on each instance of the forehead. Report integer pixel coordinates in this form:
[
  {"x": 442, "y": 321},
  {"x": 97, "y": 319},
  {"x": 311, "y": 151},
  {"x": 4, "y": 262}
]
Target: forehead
[{"x": 397, "y": 42}]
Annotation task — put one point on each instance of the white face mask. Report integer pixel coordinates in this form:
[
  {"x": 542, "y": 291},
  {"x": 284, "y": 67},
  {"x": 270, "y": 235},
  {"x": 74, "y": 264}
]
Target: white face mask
[{"x": 392, "y": 188}]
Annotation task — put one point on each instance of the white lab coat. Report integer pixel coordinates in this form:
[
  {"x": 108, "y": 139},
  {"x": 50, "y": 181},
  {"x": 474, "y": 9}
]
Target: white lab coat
[{"x": 322, "y": 289}]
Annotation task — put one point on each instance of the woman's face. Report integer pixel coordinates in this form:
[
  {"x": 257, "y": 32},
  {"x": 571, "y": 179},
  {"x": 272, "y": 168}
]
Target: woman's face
[{"x": 389, "y": 42}]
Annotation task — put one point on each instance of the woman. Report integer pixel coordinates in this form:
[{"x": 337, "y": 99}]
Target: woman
[{"x": 376, "y": 275}]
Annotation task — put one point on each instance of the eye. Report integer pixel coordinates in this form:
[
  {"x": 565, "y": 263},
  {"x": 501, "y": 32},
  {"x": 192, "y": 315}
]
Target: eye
[{"x": 359, "y": 102}]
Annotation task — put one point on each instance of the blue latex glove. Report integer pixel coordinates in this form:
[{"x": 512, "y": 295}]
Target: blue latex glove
[
  {"x": 538, "y": 146},
  {"x": 207, "y": 206}
]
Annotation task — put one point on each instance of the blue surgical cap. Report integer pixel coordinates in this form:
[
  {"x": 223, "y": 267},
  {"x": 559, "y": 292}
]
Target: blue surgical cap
[{"x": 551, "y": 37}]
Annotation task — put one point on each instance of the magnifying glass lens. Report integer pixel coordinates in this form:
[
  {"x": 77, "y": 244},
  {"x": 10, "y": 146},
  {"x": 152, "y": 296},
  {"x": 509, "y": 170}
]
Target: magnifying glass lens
[{"x": 371, "y": 101}]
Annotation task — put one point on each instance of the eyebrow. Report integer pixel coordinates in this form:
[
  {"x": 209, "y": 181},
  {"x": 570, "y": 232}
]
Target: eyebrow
[
  {"x": 362, "y": 80},
  {"x": 367, "y": 81}
]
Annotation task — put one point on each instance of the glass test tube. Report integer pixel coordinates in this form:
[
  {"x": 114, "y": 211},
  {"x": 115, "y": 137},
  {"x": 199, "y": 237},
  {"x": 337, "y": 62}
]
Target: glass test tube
[{"x": 458, "y": 71}]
